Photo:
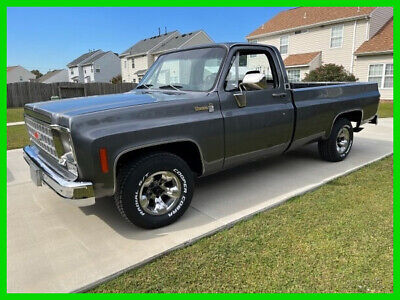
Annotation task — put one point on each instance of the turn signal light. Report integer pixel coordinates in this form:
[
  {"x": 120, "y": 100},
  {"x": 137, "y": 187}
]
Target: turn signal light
[{"x": 103, "y": 160}]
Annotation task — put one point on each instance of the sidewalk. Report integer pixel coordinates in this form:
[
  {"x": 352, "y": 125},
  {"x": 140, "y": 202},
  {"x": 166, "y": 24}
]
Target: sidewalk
[{"x": 15, "y": 123}]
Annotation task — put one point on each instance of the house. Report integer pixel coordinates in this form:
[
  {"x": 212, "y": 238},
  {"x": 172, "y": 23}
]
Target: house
[
  {"x": 136, "y": 60},
  {"x": 19, "y": 74},
  {"x": 374, "y": 60},
  {"x": 94, "y": 66},
  {"x": 310, "y": 36},
  {"x": 54, "y": 76}
]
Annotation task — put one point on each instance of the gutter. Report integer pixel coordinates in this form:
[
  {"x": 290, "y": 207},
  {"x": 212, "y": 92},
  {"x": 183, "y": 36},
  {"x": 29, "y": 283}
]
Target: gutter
[{"x": 374, "y": 53}]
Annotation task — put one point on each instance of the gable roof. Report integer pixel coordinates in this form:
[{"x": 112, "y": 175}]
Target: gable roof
[
  {"x": 83, "y": 57},
  {"x": 176, "y": 42},
  {"x": 382, "y": 41},
  {"x": 147, "y": 44},
  {"x": 49, "y": 75},
  {"x": 93, "y": 58},
  {"x": 300, "y": 59},
  {"x": 11, "y": 67},
  {"x": 306, "y": 16}
]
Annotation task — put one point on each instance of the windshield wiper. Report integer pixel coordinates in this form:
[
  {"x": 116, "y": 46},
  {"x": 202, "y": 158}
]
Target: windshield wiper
[
  {"x": 169, "y": 86},
  {"x": 144, "y": 86}
]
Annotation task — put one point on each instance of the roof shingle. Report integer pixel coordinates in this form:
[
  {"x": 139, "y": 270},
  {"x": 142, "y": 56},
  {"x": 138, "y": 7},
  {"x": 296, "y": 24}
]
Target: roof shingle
[
  {"x": 382, "y": 41},
  {"x": 303, "y": 16},
  {"x": 145, "y": 45},
  {"x": 300, "y": 59},
  {"x": 83, "y": 57}
]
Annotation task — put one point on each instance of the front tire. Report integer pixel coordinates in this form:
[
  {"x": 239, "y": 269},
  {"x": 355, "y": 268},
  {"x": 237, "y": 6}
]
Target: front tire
[
  {"x": 154, "y": 190},
  {"x": 338, "y": 145}
]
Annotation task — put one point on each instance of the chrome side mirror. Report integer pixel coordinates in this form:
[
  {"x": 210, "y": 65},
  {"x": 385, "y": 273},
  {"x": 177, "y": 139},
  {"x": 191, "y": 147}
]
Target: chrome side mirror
[{"x": 252, "y": 81}]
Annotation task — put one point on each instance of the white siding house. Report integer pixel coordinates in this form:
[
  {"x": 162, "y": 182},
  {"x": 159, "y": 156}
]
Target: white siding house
[
  {"x": 335, "y": 32},
  {"x": 136, "y": 60},
  {"x": 94, "y": 66},
  {"x": 19, "y": 74}
]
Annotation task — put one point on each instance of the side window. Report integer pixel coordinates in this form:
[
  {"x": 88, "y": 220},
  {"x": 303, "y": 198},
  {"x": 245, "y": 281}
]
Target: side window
[{"x": 251, "y": 62}]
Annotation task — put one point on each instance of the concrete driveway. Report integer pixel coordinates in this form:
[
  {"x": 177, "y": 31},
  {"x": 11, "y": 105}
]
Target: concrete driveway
[{"x": 55, "y": 247}]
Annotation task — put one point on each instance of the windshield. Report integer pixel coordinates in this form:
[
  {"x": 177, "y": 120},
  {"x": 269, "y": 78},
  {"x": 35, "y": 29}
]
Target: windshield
[{"x": 191, "y": 70}]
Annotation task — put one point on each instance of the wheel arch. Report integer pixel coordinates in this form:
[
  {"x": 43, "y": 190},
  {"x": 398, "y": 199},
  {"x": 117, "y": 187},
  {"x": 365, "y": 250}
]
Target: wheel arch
[
  {"x": 355, "y": 115},
  {"x": 188, "y": 150}
]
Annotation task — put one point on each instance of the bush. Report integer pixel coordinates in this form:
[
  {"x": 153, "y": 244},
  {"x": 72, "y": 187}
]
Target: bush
[
  {"x": 116, "y": 79},
  {"x": 330, "y": 72}
]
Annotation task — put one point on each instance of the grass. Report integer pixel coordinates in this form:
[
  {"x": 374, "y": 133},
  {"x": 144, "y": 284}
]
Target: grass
[
  {"x": 17, "y": 137},
  {"x": 15, "y": 114},
  {"x": 385, "y": 110},
  {"x": 338, "y": 238}
]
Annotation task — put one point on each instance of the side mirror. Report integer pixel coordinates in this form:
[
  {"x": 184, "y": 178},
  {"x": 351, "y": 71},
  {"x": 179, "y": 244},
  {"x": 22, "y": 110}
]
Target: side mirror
[
  {"x": 254, "y": 81},
  {"x": 251, "y": 81}
]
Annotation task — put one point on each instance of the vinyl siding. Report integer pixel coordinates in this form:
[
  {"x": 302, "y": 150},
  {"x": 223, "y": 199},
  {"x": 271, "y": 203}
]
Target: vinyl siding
[
  {"x": 318, "y": 39},
  {"x": 362, "y": 67},
  {"x": 379, "y": 17}
]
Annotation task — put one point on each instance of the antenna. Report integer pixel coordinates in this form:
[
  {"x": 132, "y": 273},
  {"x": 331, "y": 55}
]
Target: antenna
[
  {"x": 165, "y": 29},
  {"x": 159, "y": 31}
]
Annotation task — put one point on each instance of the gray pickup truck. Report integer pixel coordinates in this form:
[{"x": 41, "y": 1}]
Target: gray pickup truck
[{"x": 197, "y": 111}]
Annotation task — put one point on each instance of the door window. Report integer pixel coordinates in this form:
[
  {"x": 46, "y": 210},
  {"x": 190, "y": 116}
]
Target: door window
[{"x": 251, "y": 62}]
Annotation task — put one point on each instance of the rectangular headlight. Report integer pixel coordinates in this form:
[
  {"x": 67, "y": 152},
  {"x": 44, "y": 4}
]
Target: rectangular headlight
[{"x": 64, "y": 148}]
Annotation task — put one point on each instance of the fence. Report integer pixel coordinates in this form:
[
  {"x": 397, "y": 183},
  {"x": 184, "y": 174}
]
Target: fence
[{"x": 20, "y": 93}]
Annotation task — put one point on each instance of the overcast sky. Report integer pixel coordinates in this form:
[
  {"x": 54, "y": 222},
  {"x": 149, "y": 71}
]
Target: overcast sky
[{"x": 48, "y": 38}]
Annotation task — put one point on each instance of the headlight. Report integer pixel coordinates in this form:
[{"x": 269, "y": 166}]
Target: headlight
[{"x": 64, "y": 148}]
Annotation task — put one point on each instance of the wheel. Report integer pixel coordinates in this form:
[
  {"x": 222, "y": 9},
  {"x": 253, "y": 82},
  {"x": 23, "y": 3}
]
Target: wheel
[
  {"x": 338, "y": 145},
  {"x": 154, "y": 190}
]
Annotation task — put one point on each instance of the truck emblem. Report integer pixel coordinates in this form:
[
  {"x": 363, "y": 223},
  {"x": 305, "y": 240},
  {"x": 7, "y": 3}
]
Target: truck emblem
[
  {"x": 209, "y": 108},
  {"x": 36, "y": 135}
]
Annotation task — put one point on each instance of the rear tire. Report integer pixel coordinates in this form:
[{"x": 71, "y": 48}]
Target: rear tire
[
  {"x": 154, "y": 190},
  {"x": 338, "y": 145}
]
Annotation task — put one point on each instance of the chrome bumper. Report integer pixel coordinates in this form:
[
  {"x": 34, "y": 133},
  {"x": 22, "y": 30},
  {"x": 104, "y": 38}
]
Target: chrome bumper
[{"x": 79, "y": 193}]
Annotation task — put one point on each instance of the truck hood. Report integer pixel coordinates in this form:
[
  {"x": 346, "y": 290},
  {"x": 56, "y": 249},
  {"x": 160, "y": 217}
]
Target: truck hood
[{"x": 66, "y": 108}]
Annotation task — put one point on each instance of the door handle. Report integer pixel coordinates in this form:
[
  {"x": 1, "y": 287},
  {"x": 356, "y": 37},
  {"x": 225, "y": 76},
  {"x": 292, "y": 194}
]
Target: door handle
[{"x": 280, "y": 95}]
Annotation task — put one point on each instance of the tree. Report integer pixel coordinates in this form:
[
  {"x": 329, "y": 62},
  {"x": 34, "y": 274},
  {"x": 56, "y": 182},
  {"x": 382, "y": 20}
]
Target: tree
[
  {"x": 37, "y": 73},
  {"x": 329, "y": 72},
  {"x": 117, "y": 79}
]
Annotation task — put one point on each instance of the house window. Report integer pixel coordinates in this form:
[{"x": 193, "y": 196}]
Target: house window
[
  {"x": 91, "y": 69},
  {"x": 97, "y": 70},
  {"x": 382, "y": 74},
  {"x": 284, "y": 44},
  {"x": 20, "y": 78},
  {"x": 133, "y": 63},
  {"x": 85, "y": 71},
  {"x": 337, "y": 36},
  {"x": 72, "y": 71},
  {"x": 134, "y": 80},
  {"x": 294, "y": 75},
  {"x": 388, "y": 81}
]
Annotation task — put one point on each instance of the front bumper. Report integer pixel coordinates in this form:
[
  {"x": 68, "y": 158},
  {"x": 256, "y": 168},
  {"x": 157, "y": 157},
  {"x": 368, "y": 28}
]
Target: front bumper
[{"x": 79, "y": 193}]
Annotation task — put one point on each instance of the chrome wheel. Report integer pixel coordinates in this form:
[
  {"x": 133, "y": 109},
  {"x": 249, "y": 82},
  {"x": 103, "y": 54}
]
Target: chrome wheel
[
  {"x": 160, "y": 192},
  {"x": 343, "y": 140}
]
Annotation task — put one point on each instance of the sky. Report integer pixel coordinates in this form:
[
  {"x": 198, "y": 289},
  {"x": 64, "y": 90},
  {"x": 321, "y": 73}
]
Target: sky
[{"x": 48, "y": 38}]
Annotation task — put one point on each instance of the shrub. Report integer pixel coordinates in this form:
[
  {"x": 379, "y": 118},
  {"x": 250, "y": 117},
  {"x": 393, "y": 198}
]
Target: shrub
[{"x": 330, "y": 72}]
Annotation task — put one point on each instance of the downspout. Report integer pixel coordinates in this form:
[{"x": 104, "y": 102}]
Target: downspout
[{"x": 353, "y": 47}]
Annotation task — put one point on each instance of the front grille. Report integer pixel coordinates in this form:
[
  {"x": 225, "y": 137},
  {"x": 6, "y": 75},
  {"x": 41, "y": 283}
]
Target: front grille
[{"x": 41, "y": 135}]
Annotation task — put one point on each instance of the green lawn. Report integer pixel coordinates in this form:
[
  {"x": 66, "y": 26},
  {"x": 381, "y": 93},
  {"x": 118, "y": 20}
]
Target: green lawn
[
  {"x": 338, "y": 238},
  {"x": 17, "y": 137},
  {"x": 15, "y": 114},
  {"x": 385, "y": 110}
]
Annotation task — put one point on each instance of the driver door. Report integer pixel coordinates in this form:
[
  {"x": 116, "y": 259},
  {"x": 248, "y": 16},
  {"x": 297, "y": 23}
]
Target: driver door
[{"x": 264, "y": 125}]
